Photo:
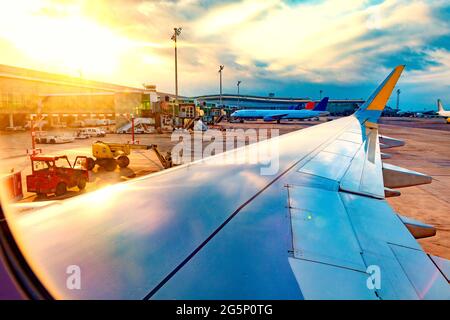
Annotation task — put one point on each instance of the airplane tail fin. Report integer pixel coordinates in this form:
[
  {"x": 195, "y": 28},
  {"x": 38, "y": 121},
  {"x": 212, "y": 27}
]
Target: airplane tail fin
[
  {"x": 310, "y": 105},
  {"x": 439, "y": 104},
  {"x": 322, "y": 105},
  {"x": 372, "y": 108}
]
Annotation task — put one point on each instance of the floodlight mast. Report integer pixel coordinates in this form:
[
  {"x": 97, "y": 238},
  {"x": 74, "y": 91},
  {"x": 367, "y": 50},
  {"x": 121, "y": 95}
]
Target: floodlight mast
[
  {"x": 176, "y": 33},
  {"x": 238, "y": 84},
  {"x": 220, "y": 73},
  {"x": 398, "y": 99}
]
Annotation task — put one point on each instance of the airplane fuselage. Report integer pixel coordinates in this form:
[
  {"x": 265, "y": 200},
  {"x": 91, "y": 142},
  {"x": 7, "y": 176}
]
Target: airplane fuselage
[
  {"x": 444, "y": 113},
  {"x": 441, "y": 111},
  {"x": 272, "y": 115}
]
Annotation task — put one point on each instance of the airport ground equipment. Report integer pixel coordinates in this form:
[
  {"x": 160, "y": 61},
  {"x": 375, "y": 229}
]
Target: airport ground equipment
[
  {"x": 81, "y": 135},
  {"x": 110, "y": 155},
  {"x": 11, "y": 184},
  {"x": 141, "y": 125},
  {"x": 219, "y": 119},
  {"x": 55, "y": 174},
  {"x": 42, "y": 137},
  {"x": 189, "y": 125},
  {"x": 195, "y": 124},
  {"x": 93, "y": 132}
]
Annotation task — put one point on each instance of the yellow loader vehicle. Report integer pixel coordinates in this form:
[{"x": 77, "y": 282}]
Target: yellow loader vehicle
[{"x": 110, "y": 155}]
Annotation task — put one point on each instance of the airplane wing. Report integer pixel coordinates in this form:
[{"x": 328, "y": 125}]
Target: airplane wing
[{"x": 311, "y": 222}]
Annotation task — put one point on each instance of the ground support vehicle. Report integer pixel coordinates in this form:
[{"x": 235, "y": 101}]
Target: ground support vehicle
[
  {"x": 55, "y": 174},
  {"x": 110, "y": 155}
]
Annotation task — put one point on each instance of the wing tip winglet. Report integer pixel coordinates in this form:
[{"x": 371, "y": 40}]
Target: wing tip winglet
[{"x": 379, "y": 98}]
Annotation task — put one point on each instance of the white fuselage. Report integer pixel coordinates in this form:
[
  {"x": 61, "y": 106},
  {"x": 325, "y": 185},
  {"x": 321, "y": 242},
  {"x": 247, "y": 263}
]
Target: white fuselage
[
  {"x": 441, "y": 111},
  {"x": 444, "y": 113}
]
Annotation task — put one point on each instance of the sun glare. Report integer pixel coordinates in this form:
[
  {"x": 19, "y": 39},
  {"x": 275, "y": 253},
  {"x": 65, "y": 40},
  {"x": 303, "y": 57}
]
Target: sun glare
[{"x": 70, "y": 41}]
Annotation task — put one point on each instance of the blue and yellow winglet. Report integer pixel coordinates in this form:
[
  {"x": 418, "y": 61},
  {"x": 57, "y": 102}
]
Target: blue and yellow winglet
[{"x": 371, "y": 110}]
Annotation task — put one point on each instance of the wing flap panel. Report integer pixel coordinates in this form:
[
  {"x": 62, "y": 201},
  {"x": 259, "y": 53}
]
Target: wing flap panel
[
  {"x": 443, "y": 265},
  {"x": 327, "y": 165},
  {"x": 320, "y": 281},
  {"x": 427, "y": 280},
  {"x": 343, "y": 147},
  {"x": 321, "y": 230}
]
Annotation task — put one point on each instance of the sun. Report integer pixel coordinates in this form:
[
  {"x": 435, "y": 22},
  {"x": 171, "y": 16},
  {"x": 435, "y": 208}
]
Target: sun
[{"x": 70, "y": 41}]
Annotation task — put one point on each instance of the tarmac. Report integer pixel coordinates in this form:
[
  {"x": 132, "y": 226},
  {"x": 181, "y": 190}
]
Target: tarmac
[{"x": 426, "y": 151}]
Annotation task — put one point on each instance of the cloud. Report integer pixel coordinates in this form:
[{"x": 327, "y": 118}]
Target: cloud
[
  {"x": 326, "y": 43},
  {"x": 227, "y": 18},
  {"x": 437, "y": 72}
]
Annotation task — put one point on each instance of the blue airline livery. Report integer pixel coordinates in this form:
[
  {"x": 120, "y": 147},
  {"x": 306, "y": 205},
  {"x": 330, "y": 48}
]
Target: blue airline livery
[{"x": 277, "y": 115}]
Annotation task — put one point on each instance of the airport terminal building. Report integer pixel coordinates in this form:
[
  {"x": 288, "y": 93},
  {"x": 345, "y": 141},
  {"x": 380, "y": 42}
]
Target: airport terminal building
[{"x": 63, "y": 99}]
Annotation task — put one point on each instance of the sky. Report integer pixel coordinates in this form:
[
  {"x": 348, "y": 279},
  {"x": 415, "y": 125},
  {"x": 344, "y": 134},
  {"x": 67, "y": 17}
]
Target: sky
[{"x": 286, "y": 47}]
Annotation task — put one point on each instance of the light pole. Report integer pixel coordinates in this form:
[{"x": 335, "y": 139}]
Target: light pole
[
  {"x": 238, "y": 84},
  {"x": 176, "y": 33},
  {"x": 320, "y": 94},
  {"x": 398, "y": 99},
  {"x": 220, "y": 73}
]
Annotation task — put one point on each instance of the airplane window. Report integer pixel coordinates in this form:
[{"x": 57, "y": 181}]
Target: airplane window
[{"x": 175, "y": 149}]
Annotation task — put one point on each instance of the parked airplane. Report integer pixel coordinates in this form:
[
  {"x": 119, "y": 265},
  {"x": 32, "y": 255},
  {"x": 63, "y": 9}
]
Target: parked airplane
[
  {"x": 318, "y": 227},
  {"x": 278, "y": 115},
  {"x": 441, "y": 111}
]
